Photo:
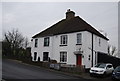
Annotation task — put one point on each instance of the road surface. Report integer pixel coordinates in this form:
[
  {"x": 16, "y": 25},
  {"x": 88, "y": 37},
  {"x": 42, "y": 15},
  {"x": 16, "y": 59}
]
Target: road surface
[{"x": 16, "y": 70}]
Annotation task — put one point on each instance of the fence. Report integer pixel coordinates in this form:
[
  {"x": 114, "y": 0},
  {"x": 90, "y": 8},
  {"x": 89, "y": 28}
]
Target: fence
[
  {"x": 60, "y": 67},
  {"x": 68, "y": 68},
  {"x": 105, "y": 58}
]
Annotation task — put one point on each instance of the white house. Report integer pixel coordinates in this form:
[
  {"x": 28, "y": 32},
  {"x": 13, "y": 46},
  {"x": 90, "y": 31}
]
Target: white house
[{"x": 71, "y": 41}]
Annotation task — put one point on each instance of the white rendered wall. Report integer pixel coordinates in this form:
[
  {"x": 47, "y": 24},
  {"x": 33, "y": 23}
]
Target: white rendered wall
[{"x": 54, "y": 48}]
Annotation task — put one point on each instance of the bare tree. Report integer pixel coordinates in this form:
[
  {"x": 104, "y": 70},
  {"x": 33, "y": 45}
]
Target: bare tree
[
  {"x": 26, "y": 42},
  {"x": 113, "y": 50},
  {"x": 15, "y": 40}
]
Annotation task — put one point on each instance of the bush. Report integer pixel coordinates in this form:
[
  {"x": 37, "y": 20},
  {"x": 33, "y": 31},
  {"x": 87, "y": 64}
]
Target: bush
[{"x": 53, "y": 61}]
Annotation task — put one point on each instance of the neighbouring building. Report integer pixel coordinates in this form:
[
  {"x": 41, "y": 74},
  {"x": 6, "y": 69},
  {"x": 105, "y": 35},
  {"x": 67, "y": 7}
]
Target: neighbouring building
[{"x": 71, "y": 40}]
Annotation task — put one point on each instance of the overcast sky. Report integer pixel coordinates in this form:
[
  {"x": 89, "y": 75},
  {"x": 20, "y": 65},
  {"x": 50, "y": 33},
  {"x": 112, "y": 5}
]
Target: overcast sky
[{"x": 31, "y": 18}]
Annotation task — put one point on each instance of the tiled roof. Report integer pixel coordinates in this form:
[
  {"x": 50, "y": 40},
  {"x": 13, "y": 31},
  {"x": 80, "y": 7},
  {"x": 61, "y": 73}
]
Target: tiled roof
[{"x": 64, "y": 26}]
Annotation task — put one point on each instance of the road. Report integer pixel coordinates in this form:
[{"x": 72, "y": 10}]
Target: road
[{"x": 16, "y": 70}]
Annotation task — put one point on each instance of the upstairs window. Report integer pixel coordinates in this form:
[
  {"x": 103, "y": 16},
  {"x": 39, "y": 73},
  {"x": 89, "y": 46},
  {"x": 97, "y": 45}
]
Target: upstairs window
[
  {"x": 79, "y": 38},
  {"x": 63, "y": 56},
  {"x": 46, "y": 41},
  {"x": 36, "y": 42},
  {"x": 64, "y": 40}
]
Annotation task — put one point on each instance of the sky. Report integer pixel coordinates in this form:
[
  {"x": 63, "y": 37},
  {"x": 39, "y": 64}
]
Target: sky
[{"x": 31, "y": 18}]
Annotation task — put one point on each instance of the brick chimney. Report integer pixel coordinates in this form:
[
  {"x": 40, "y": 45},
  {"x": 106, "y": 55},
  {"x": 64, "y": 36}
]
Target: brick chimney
[{"x": 70, "y": 14}]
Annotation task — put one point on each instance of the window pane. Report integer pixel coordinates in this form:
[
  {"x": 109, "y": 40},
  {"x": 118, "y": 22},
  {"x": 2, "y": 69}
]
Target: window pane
[
  {"x": 66, "y": 40},
  {"x": 46, "y": 41},
  {"x": 63, "y": 39},
  {"x": 79, "y": 38}
]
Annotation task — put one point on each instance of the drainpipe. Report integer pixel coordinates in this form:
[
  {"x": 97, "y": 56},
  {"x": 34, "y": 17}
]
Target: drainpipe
[{"x": 92, "y": 52}]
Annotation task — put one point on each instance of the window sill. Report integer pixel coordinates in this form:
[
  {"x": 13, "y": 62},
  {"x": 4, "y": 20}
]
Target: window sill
[
  {"x": 45, "y": 46},
  {"x": 78, "y": 44},
  {"x": 63, "y": 45}
]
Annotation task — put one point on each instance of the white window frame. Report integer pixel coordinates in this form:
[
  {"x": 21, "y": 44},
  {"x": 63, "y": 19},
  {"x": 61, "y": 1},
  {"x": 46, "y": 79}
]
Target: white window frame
[
  {"x": 63, "y": 39},
  {"x": 46, "y": 41},
  {"x": 63, "y": 57},
  {"x": 79, "y": 38}
]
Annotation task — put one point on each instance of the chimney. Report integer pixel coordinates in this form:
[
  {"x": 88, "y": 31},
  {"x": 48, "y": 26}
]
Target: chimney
[{"x": 70, "y": 14}]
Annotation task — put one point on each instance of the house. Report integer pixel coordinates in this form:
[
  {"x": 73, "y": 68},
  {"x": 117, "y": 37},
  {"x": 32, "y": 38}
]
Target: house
[{"x": 71, "y": 41}]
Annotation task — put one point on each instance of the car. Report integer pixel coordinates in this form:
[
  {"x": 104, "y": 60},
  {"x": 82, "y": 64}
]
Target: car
[
  {"x": 116, "y": 73},
  {"x": 102, "y": 69}
]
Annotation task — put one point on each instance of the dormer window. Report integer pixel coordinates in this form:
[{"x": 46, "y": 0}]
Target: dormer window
[
  {"x": 79, "y": 38},
  {"x": 63, "y": 40}
]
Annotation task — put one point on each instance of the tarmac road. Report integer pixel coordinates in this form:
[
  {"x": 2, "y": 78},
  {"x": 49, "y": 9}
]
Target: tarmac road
[{"x": 15, "y": 71}]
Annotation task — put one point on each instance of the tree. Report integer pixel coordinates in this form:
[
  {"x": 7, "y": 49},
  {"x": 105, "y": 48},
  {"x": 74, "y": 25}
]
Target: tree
[
  {"x": 109, "y": 46},
  {"x": 113, "y": 50},
  {"x": 13, "y": 41},
  {"x": 26, "y": 42}
]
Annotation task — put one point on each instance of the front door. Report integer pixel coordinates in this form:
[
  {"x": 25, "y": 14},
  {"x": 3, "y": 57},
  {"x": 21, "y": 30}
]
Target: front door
[
  {"x": 45, "y": 56},
  {"x": 79, "y": 59}
]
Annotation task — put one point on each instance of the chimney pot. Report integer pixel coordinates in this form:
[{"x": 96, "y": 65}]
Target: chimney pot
[{"x": 70, "y": 14}]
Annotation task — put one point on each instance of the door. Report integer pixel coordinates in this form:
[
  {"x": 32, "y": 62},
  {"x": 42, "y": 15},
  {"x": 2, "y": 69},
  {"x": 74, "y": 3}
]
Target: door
[
  {"x": 35, "y": 56},
  {"x": 79, "y": 59},
  {"x": 45, "y": 56}
]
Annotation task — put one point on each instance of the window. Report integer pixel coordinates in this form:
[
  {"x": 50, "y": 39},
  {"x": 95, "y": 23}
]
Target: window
[
  {"x": 64, "y": 40},
  {"x": 36, "y": 42},
  {"x": 79, "y": 38},
  {"x": 46, "y": 41},
  {"x": 35, "y": 56},
  {"x": 109, "y": 66},
  {"x": 63, "y": 56}
]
